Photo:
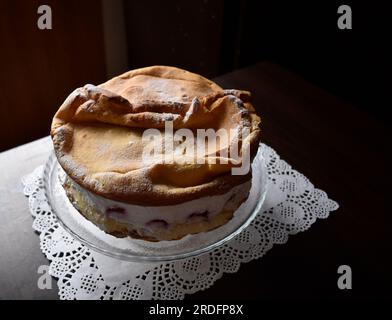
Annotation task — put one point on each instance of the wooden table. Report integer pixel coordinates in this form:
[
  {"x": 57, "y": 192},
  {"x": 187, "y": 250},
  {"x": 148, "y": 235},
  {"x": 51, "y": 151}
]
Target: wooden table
[{"x": 340, "y": 149}]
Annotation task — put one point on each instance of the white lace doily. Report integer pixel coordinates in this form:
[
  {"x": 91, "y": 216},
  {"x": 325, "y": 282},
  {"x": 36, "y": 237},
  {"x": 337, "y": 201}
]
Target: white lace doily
[{"x": 292, "y": 205}]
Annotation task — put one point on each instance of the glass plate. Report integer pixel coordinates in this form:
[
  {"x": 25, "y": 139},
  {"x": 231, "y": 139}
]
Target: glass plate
[{"x": 137, "y": 250}]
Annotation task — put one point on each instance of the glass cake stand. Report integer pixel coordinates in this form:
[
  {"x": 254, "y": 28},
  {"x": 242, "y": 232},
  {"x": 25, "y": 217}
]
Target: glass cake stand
[{"x": 137, "y": 250}]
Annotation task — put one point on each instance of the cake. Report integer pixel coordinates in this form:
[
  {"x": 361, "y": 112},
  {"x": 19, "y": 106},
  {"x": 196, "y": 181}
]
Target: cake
[{"x": 99, "y": 136}]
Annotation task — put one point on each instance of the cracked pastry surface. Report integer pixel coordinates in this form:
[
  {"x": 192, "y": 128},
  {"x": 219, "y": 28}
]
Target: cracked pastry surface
[{"x": 97, "y": 137}]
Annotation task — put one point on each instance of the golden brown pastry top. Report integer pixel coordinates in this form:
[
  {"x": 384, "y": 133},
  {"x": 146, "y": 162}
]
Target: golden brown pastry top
[{"x": 97, "y": 135}]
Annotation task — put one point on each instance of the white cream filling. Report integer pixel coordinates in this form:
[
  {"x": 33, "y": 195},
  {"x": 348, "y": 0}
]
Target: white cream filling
[{"x": 139, "y": 216}]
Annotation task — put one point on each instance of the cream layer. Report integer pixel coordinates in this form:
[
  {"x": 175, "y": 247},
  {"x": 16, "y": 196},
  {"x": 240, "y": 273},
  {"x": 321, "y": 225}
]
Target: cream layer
[{"x": 151, "y": 217}]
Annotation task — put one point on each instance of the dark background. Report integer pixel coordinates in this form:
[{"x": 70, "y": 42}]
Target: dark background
[
  {"x": 339, "y": 140},
  {"x": 41, "y": 67}
]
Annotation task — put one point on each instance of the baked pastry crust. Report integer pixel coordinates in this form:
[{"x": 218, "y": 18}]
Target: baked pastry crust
[{"x": 97, "y": 135}]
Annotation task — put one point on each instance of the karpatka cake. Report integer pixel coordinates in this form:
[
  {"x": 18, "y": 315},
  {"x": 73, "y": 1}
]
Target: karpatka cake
[{"x": 98, "y": 140}]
